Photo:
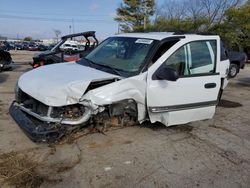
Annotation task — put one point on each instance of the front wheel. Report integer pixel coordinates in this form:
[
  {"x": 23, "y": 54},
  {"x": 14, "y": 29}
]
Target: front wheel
[{"x": 233, "y": 70}]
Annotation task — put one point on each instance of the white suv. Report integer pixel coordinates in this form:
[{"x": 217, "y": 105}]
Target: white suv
[{"x": 128, "y": 78}]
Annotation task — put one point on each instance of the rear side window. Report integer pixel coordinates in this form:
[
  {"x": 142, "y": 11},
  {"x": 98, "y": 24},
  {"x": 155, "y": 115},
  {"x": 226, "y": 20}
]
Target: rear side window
[
  {"x": 200, "y": 54},
  {"x": 198, "y": 57},
  {"x": 203, "y": 57}
]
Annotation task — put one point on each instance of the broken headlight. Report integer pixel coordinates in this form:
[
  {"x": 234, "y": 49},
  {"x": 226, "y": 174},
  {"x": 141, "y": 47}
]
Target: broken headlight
[{"x": 69, "y": 112}]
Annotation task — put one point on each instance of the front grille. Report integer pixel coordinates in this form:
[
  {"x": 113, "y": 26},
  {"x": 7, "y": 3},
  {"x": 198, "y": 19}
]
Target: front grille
[
  {"x": 72, "y": 112},
  {"x": 31, "y": 103}
]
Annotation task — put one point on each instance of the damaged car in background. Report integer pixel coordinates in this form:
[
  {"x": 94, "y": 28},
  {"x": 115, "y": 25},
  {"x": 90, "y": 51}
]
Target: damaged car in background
[
  {"x": 128, "y": 79},
  {"x": 68, "y": 49},
  {"x": 6, "y": 62}
]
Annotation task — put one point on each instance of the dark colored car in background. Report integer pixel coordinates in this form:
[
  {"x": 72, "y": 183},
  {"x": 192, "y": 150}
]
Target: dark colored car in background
[
  {"x": 5, "y": 60},
  {"x": 237, "y": 62},
  {"x": 18, "y": 47},
  {"x": 32, "y": 47},
  {"x": 6, "y": 46},
  {"x": 42, "y": 47},
  {"x": 57, "y": 55}
]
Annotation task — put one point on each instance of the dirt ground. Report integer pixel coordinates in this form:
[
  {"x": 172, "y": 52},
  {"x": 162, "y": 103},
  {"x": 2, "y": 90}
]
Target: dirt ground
[{"x": 210, "y": 153}]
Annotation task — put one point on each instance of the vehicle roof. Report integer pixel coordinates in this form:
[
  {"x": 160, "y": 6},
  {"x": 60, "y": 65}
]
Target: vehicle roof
[{"x": 160, "y": 35}]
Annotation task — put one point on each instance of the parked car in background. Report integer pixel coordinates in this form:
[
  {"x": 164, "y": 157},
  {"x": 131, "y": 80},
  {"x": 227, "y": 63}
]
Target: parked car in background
[
  {"x": 42, "y": 47},
  {"x": 51, "y": 46},
  {"x": 25, "y": 46},
  {"x": 237, "y": 62},
  {"x": 18, "y": 47},
  {"x": 129, "y": 78},
  {"x": 5, "y": 61},
  {"x": 6, "y": 46},
  {"x": 69, "y": 46},
  {"x": 62, "y": 53},
  {"x": 32, "y": 47}
]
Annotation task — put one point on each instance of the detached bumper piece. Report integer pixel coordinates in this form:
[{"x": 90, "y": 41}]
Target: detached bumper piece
[{"x": 36, "y": 130}]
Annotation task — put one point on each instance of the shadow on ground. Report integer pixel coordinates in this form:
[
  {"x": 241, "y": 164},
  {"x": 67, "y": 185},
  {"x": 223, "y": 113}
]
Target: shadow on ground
[
  {"x": 19, "y": 68},
  {"x": 244, "y": 82},
  {"x": 229, "y": 104},
  {"x": 159, "y": 126},
  {"x": 3, "y": 77}
]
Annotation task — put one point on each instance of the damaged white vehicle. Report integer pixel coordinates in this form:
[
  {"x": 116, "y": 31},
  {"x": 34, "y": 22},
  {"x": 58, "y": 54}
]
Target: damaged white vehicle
[{"x": 128, "y": 78}]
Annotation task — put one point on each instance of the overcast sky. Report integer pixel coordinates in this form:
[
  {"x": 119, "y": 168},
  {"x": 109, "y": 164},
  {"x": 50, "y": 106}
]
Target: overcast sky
[{"x": 38, "y": 18}]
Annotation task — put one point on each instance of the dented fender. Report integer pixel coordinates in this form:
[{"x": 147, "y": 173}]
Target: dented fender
[{"x": 129, "y": 88}]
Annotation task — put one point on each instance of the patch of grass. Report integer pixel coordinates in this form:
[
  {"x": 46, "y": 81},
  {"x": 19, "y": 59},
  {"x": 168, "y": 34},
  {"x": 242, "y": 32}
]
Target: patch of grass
[{"x": 20, "y": 171}]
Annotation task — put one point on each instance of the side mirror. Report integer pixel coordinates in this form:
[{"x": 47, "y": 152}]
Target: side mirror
[{"x": 166, "y": 73}]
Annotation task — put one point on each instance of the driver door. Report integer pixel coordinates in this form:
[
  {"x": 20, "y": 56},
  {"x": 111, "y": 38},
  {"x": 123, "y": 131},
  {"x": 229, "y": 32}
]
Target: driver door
[{"x": 193, "y": 96}]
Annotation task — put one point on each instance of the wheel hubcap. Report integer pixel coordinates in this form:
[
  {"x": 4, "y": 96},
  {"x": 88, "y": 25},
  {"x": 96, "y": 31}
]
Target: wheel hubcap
[{"x": 233, "y": 71}]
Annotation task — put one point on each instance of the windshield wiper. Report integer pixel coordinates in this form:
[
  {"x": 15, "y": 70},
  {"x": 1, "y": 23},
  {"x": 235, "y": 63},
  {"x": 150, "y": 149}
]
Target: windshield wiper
[
  {"x": 102, "y": 65},
  {"x": 112, "y": 68},
  {"x": 90, "y": 62}
]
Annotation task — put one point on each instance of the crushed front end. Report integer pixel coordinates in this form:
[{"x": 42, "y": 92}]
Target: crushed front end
[{"x": 43, "y": 123}]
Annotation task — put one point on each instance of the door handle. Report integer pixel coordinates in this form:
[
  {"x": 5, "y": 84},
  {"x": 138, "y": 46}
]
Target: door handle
[{"x": 210, "y": 85}]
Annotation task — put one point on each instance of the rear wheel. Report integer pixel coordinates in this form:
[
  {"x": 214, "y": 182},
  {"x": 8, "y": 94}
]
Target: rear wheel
[{"x": 233, "y": 70}]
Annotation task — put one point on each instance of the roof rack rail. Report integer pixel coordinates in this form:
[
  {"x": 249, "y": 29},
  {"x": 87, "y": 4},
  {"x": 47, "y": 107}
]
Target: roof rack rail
[{"x": 198, "y": 33}]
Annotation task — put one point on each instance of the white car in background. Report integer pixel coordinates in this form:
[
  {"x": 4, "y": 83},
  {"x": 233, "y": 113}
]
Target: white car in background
[
  {"x": 69, "y": 45},
  {"x": 129, "y": 78}
]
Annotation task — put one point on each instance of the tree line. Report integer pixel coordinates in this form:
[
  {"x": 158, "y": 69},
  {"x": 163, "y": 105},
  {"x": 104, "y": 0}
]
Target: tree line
[{"x": 228, "y": 18}]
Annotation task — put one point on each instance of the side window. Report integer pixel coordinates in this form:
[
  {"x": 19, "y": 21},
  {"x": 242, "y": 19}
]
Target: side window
[
  {"x": 197, "y": 57},
  {"x": 203, "y": 57},
  {"x": 163, "y": 48},
  {"x": 178, "y": 60}
]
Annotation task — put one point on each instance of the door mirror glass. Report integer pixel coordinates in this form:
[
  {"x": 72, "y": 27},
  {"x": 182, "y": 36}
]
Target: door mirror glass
[{"x": 166, "y": 73}]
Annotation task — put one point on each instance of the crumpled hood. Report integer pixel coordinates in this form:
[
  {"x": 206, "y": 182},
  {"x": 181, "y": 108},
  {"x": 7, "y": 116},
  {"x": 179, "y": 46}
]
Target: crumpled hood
[{"x": 60, "y": 84}]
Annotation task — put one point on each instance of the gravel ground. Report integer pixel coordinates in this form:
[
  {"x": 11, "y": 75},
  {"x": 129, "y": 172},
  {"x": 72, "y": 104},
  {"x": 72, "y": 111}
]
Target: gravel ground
[{"x": 210, "y": 153}]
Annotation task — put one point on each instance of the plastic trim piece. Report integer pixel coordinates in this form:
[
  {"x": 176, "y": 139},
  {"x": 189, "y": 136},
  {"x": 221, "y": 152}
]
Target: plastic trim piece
[{"x": 182, "y": 107}]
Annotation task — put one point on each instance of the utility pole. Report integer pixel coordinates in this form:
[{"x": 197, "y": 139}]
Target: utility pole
[
  {"x": 145, "y": 15},
  {"x": 73, "y": 25},
  {"x": 69, "y": 29}
]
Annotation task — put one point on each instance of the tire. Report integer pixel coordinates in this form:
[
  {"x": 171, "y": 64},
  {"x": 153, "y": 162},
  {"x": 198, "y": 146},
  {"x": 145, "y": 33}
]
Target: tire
[{"x": 233, "y": 70}]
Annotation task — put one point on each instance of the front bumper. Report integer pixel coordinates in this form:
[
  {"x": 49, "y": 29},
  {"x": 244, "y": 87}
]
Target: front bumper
[{"x": 36, "y": 130}]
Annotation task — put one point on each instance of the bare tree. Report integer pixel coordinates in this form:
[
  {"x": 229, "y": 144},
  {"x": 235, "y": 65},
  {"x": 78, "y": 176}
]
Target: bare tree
[
  {"x": 57, "y": 33},
  {"x": 194, "y": 8},
  {"x": 172, "y": 9},
  {"x": 214, "y": 10}
]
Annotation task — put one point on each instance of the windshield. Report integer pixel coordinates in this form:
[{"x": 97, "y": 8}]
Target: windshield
[{"x": 121, "y": 53}]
